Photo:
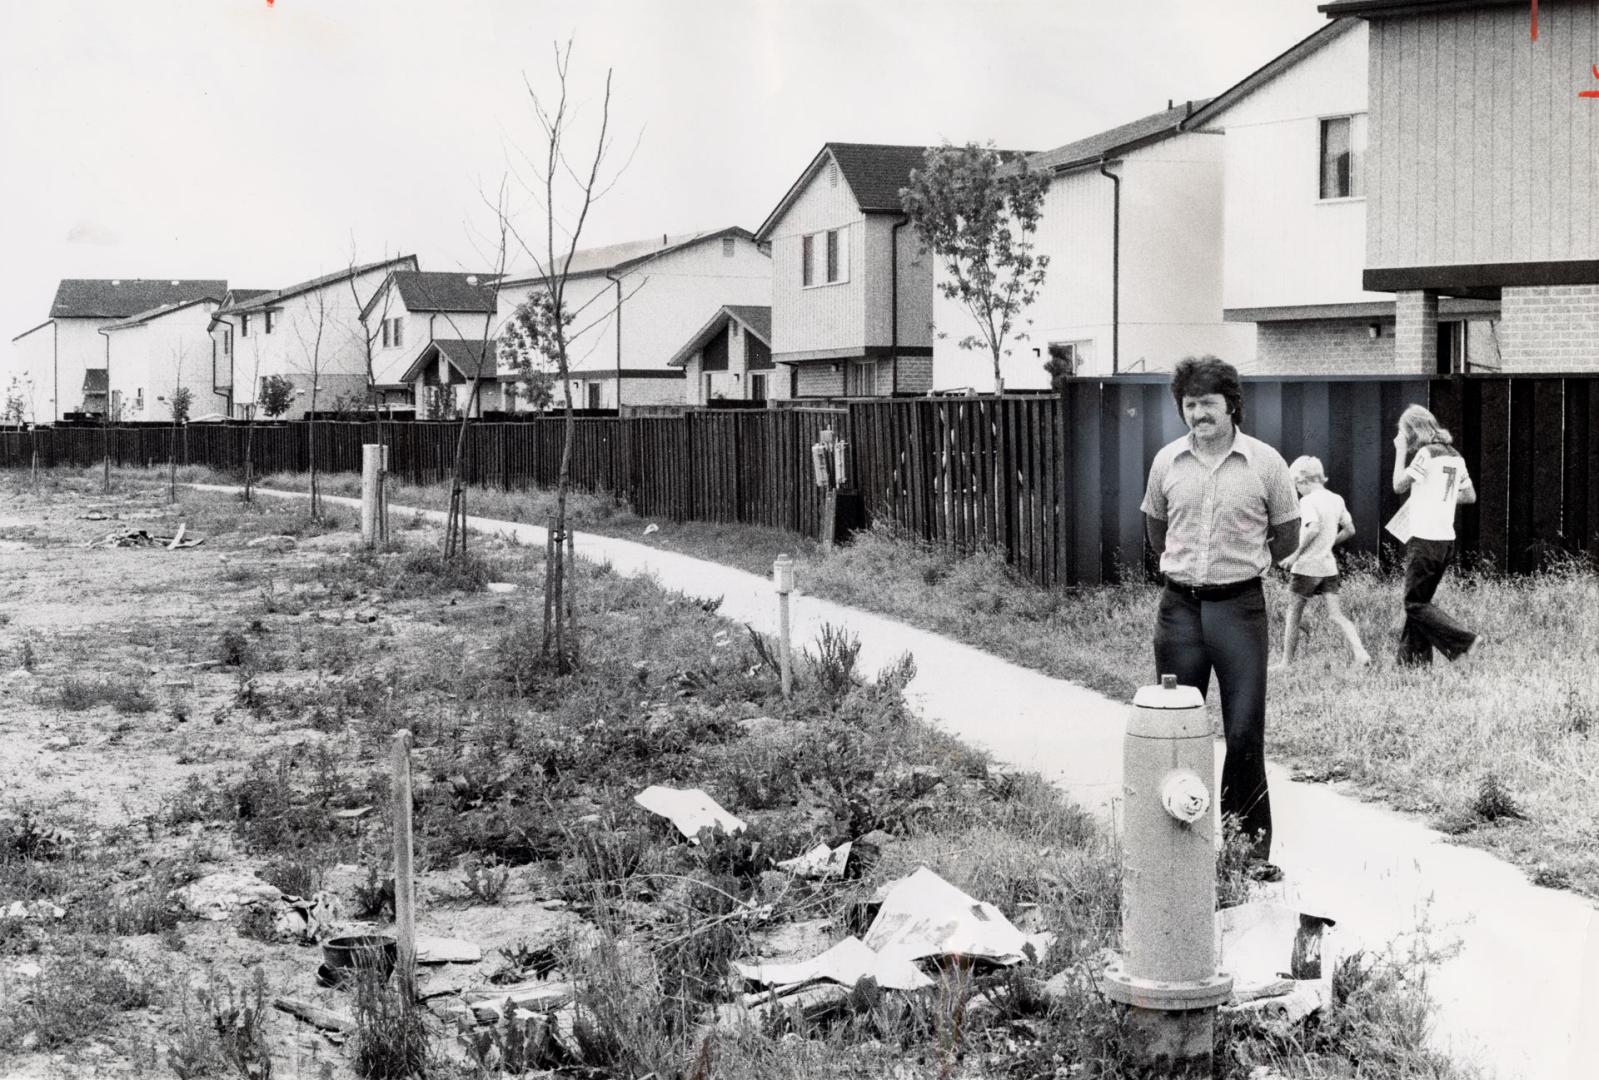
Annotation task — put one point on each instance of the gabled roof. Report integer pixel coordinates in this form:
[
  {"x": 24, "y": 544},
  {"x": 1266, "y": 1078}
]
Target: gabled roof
[
  {"x": 623, "y": 256},
  {"x": 154, "y": 313},
  {"x": 1381, "y": 8},
  {"x": 96, "y": 381},
  {"x": 270, "y": 299},
  {"x": 463, "y": 355},
  {"x": 117, "y": 298},
  {"x": 438, "y": 290},
  {"x": 1267, "y": 72},
  {"x": 874, "y": 172},
  {"x": 1142, "y": 132},
  {"x": 755, "y": 320}
]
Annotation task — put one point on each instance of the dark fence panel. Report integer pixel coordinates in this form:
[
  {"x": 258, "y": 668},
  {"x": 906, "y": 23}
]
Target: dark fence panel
[{"x": 1054, "y": 482}]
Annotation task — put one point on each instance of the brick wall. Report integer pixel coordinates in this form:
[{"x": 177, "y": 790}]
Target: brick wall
[
  {"x": 1322, "y": 347},
  {"x": 1415, "y": 332},
  {"x": 1550, "y": 328},
  {"x": 819, "y": 380},
  {"x": 915, "y": 376}
]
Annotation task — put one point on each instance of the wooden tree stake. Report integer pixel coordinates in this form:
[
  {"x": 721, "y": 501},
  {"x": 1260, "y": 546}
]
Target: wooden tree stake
[{"x": 404, "y": 886}]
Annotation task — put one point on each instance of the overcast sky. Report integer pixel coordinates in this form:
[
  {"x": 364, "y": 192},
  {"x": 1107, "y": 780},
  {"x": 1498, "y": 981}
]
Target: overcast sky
[{"x": 258, "y": 143}]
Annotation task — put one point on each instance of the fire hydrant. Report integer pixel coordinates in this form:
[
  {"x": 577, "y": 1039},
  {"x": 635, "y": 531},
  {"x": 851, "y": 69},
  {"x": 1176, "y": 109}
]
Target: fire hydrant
[{"x": 1167, "y": 974}]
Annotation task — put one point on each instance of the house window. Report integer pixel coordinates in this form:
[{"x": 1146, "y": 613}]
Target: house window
[
  {"x": 227, "y": 343},
  {"x": 384, "y": 332},
  {"x": 757, "y": 385},
  {"x": 269, "y": 320},
  {"x": 392, "y": 336},
  {"x": 860, "y": 378},
  {"x": 729, "y": 247},
  {"x": 835, "y": 258},
  {"x": 706, "y": 399},
  {"x": 593, "y": 390},
  {"x": 397, "y": 335},
  {"x": 244, "y": 326},
  {"x": 1067, "y": 357},
  {"x": 138, "y": 398},
  {"x": 832, "y": 175},
  {"x": 1343, "y": 156}
]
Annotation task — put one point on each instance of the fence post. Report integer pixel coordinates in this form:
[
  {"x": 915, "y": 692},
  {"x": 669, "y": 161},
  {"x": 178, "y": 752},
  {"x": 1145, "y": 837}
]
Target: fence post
[
  {"x": 371, "y": 469},
  {"x": 404, "y": 886},
  {"x": 783, "y": 578}
]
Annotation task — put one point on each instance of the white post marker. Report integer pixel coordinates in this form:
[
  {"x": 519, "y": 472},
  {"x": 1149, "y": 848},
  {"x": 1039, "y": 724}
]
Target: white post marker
[
  {"x": 371, "y": 466},
  {"x": 404, "y": 887},
  {"x": 783, "y": 578},
  {"x": 383, "y": 496}
]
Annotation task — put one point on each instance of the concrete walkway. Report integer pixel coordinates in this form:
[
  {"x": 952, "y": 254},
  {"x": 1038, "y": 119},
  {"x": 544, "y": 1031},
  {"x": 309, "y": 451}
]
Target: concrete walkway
[{"x": 1521, "y": 996}]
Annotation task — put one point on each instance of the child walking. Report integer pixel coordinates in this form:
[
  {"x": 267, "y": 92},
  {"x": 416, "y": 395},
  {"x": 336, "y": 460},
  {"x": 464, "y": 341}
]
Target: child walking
[{"x": 1324, "y": 521}]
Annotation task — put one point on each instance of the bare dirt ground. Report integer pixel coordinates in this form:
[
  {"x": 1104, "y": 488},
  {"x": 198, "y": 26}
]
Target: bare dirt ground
[{"x": 140, "y": 627}]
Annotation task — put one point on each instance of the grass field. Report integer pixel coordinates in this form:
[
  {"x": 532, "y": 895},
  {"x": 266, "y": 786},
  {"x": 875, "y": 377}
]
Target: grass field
[{"x": 1502, "y": 750}]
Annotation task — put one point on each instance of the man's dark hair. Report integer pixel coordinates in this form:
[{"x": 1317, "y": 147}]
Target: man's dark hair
[{"x": 1197, "y": 376}]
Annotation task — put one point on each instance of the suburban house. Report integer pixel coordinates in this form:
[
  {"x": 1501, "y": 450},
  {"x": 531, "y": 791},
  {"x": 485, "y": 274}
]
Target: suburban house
[
  {"x": 852, "y": 295},
  {"x": 154, "y": 354},
  {"x": 634, "y": 304},
  {"x": 409, "y": 311},
  {"x": 439, "y": 380},
  {"x": 1296, "y": 137},
  {"x": 58, "y": 355},
  {"x": 1482, "y": 175},
  {"x": 1132, "y": 225},
  {"x": 310, "y": 333},
  {"x": 730, "y": 358}
]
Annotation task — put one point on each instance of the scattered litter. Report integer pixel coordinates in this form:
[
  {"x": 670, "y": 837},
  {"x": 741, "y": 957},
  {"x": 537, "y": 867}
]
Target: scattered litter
[
  {"x": 27, "y": 969},
  {"x": 489, "y": 1003},
  {"x": 326, "y": 1019},
  {"x": 354, "y": 813},
  {"x": 821, "y": 862},
  {"x": 923, "y": 915},
  {"x": 438, "y": 950},
  {"x": 219, "y": 895},
  {"x": 1280, "y": 959},
  {"x": 689, "y": 809},
  {"x": 131, "y": 538},
  {"x": 810, "y": 1005},
  {"x": 307, "y": 920},
  {"x": 845, "y": 963},
  {"x": 177, "y": 538},
  {"x": 501, "y": 586},
  {"x": 97, "y": 515},
  {"x": 651, "y": 528},
  {"x": 36, "y": 909},
  {"x": 553, "y": 904}
]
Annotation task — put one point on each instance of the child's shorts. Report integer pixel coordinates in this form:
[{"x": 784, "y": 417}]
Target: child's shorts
[{"x": 1307, "y": 586}]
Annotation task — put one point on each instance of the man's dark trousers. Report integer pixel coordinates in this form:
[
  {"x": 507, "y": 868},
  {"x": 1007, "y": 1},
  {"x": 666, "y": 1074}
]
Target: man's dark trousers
[
  {"x": 1195, "y": 636},
  {"x": 1425, "y": 625}
]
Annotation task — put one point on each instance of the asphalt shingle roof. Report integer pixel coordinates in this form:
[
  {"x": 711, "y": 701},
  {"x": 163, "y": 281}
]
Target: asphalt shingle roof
[
  {"x": 265, "y": 300},
  {"x": 156, "y": 312},
  {"x": 96, "y": 380},
  {"x": 464, "y": 354},
  {"x": 1152, "y": 128},
  {"x": 876, "y": 172},
  {"x": 439, "y": 290},
  {"x": 758, "y": 319},
  {"x": 617, "y": 256},
  {"x": 118, "y": 298}
]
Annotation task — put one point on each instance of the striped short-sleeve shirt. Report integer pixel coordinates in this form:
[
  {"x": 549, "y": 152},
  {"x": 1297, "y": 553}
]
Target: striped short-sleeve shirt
[{"x": 1218, "y": 519}]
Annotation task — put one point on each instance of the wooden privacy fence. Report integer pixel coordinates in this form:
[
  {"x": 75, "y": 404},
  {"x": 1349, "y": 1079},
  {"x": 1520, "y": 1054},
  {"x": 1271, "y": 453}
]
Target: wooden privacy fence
[{"x": 1054, "y": 483}]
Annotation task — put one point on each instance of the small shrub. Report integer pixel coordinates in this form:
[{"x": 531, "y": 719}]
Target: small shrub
[
  {"x": 390, "y": 1041},
  {"x": 374, "y": 895},
  {"x": 76, "y": 996},
  {"x": 27, "y": 836},
  {"x": 298, "y": 876},
  {"x": 1232, "y": 864},
  {"x": 26, "y": 660},
  {"x": 1494, "y": 802},
  {"x": 258, "y": 923},
  {"x": 240, "y": 1026},
  {"x": 233, "y": 648},
  {"x": 837, "y": 651},
  {"x": 487, "y": 879},
  {"x": 125, "y": 697}
]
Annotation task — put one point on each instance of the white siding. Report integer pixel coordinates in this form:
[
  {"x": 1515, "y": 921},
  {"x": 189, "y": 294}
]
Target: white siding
[
  {"x": 664, "y": 302},
  {"x": 79, "y": 347},
  {"x": 151, "y": 361},
  {"x": 1171, "y": 272},
  {"x": 822, "y": 316},
  {"x": 734, "y": 383},
  {"x": 33, "y": 367},
  {"x": 1285, "y": 246}
]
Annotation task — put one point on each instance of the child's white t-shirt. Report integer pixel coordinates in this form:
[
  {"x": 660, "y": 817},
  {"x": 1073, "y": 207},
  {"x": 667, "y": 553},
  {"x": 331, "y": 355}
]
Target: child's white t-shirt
[
  {"x": 1326, "y": 510},
  {"x": 1436, "y": 476}
]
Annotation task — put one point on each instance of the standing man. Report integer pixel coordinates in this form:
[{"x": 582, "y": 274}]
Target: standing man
[{"x": 1220, "y": 508}]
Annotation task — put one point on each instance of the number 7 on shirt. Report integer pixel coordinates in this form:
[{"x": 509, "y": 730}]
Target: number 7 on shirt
[{"x": 1450, "y": 473}]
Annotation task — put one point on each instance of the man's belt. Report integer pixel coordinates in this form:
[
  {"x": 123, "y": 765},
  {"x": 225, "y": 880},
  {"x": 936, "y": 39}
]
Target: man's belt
[{"x": 1213, "y": 592}]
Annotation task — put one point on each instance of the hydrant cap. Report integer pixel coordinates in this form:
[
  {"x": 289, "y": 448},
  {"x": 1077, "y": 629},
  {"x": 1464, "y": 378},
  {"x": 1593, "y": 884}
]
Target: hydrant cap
[{"x": 1176, "y": 712}]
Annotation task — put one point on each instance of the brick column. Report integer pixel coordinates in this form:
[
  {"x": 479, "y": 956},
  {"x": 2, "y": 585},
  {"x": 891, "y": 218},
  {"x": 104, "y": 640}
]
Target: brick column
[{"x": 1416, "y": 332}]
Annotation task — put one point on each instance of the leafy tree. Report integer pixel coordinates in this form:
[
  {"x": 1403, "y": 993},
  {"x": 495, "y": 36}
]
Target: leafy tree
[
  {"x": 182, "y": 402},
  {"x": 977, "y": 210},
  {"x": 277, "y": 394},
  {"x": 527, "y": 348},
  {"x": 16, "y": 405}
]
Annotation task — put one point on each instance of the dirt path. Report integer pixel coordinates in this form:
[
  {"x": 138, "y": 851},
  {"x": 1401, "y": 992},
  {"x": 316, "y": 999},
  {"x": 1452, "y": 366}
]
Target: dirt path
[{"x": 1527, "y": 967}]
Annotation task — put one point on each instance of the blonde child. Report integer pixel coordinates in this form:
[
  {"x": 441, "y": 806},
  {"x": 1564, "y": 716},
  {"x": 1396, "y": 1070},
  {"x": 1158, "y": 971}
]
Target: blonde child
[{"x": 1324, "y": 521}]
